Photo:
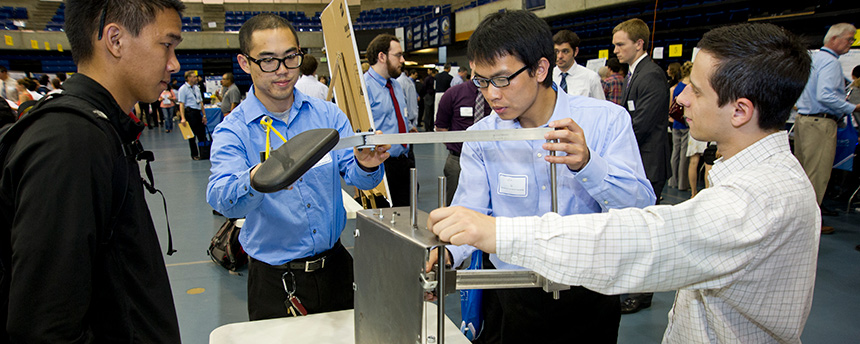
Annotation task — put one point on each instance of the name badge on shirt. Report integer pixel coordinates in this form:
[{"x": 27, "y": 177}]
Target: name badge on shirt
[
  {"x": 630, "y": 106},
  {"x": 513, "y": 185},
  {"x": 466, "y": 112},
  {"x": 324, "y": 161}
]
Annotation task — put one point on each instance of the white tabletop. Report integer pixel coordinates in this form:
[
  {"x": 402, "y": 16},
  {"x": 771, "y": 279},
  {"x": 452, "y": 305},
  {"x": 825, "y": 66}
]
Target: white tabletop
[{"x": 330, "y": 328}]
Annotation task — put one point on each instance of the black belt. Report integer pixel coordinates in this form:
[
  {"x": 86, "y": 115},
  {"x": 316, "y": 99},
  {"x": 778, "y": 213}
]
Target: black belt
[
  {"x": 313, "y": 263},
  {"x": 823, "y": 115}
]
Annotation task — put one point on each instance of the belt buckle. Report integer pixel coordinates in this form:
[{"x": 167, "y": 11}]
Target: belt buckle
[{"x": 308, "y": 264}]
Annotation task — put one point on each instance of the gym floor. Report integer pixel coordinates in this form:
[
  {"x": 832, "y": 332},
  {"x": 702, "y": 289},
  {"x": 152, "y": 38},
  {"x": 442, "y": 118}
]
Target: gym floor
[{"x": 208, "y": 296}]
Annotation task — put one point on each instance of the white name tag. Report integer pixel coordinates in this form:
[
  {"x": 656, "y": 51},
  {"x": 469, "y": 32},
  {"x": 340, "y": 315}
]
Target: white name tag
[
  {"x": 630, "y": 106},
  {"x": 324, "y": 161},
  {"x": 466, "y": 112},
  {"x": 513, "y": 185}
]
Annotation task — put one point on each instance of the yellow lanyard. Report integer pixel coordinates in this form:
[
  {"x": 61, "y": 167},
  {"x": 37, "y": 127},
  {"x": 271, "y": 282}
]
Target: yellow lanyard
[{"x": 266, "y": 122}]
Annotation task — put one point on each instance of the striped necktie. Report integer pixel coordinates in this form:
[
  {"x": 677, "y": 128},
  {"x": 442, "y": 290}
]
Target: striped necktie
[
  {"x": 563, "y": 84},
  {"x": 479, "y": 107}
]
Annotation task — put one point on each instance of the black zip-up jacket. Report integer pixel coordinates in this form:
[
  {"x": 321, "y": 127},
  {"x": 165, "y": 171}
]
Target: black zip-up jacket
[{"x": 68, "y": 275}]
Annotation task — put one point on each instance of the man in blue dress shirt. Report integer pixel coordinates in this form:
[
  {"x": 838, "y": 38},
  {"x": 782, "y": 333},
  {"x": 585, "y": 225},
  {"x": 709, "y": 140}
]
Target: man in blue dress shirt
[
  {"x": 598, "y": 168},
  {"x": 821, "y": 105},
  {"x": 388, "y": 106},
  {"x": 291, "y": 235}
]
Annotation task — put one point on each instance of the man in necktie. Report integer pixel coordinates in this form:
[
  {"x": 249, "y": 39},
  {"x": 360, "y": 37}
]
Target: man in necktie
[
  {"x": 388, "y": 106},
  {"x": 460, "y": 107},
  {"x": 646, "y": 98},
  {"x": 570, "y": 77}
]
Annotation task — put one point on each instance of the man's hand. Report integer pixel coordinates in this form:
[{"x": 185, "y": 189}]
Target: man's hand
[
  {"x": 462, "y": 226},
  {"x": 413, "y": 130},
  {"x": 370, "y": 158},
  {"x": 571, "y": 140},
  {"x": 434, "y": 257}
]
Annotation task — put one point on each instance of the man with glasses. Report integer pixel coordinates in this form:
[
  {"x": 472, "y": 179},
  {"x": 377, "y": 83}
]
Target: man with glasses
[
  {"x": 293, "y": 235},
  {"x": 388, "y": 106},
  {"x": 598, "y": 168},
  {"x": 821, "y": 106}
]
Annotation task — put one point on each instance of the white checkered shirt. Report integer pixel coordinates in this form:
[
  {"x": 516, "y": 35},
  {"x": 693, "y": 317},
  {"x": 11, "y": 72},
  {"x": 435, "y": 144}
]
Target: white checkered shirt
[{"x": 742, "y": 253}]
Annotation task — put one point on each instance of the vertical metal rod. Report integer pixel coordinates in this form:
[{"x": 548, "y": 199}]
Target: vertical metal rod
[
  {"x": 440, "y": 295},
  {"x": 413, "y": 192},
  {"x": 554, "y": 197},
  {"x": 443, "y": 192},
  {"x": 553, "y": 182}
]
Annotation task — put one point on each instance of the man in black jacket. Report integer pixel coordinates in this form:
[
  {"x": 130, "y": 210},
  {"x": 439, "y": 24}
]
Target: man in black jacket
[
  {"x": 646, "y": 98},
  {"x": 443, "y": 80},
  {"x": 78, "y": 266}
]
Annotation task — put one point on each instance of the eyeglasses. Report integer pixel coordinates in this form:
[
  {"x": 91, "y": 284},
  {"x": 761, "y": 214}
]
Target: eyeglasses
[
  {"x": 498, "y": 81},
  {"x": 102, "y": 20},
  {"x": 271, "y": 64}
]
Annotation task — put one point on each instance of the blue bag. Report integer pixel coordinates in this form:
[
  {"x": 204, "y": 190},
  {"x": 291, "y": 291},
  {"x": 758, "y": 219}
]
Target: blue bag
[
  {"x": 846, "y": 140},
  {"x": 470, "y": 303}
]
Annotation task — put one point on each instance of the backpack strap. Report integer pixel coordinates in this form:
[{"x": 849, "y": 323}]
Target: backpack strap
[{"x": 68, "y": 103}]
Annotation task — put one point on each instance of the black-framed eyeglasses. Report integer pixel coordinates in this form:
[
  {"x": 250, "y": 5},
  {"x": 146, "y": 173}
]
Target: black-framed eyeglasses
[
  {"x": 498, "y": 81},
  {"x": 271, "y": 64},
  {"x": 102, "y": 20}
]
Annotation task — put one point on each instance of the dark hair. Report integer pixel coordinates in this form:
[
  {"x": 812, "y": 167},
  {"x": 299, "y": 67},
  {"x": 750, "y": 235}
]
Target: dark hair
[
  {"x": 44, "y": 80},
  {"x": 674, "y": 70},
  {"x": 83, "y": 18},
  {"x": 56, "y": 83},
  {"x": 761, "y": 62},
  {"x": 229, "y": 76},
  {"x": 566, "y": 36},
  {"x": 61, "y": 76},
  {"x": 614, "y": 65},
  {"x": 856, "y": 71},
  {"x": 447, "y": 66},
  {"x": 309, "y": 65},
  {"x": 3, "y": 69},
  {"x": 379, "y": 44},
  {"x": 262, "y": 21},
  {"x": 520, "y": 34},
  {"x": 27, "y": 83}
]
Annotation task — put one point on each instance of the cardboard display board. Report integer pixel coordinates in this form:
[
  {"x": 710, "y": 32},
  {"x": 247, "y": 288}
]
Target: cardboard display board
[{"x": 344, "y": 65}]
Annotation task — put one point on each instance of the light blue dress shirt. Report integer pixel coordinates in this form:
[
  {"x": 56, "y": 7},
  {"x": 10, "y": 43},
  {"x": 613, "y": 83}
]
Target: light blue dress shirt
[
  {"x": 382, "y": 107},
  {"x": 825, "y": 90},
  {"x": 511, "y": 178},
  {"x": 189, "y": 95},
  {"x": 411, "y": 94},
  {"x": 288, "y": 224}
]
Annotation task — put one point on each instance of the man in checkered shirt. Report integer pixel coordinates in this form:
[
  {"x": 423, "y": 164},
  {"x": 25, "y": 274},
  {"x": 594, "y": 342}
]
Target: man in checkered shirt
[{"x": 741, "y": 254}]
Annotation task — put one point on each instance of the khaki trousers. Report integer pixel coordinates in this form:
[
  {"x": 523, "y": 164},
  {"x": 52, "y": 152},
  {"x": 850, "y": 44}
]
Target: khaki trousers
[{"x": 815, "y": 148}]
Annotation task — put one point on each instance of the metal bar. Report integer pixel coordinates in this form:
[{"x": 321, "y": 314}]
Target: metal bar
[
  {"x": 413, "y": 192},
  {"x": 553, "y": 184},
  {"x": 497, "y": 279},
  {"x": 443, "y": 192},
  {"x": 522, "y": 134},
  {"x": 440, "y": 293}
]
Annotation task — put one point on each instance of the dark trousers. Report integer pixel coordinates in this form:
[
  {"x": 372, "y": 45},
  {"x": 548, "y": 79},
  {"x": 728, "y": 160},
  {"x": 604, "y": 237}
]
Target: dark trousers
[
  {"x": 531, "y": 315},
  {"x": 429, "y": 111},
  {"x": 397, "y": 173},
  {"x": 452, "y": 175},
  {"x": 325, "y": 290},
  {"x": 195, "y": 120}
]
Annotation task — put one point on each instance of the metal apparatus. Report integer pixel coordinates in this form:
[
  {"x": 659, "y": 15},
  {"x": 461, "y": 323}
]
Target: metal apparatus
[
  {"x": 390, "y": 282},
  {"x": 391, "y": 249}
]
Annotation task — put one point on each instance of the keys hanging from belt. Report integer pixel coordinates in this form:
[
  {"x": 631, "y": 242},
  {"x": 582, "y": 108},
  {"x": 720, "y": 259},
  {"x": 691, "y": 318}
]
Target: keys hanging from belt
[{"x": 294, "y": 306}]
